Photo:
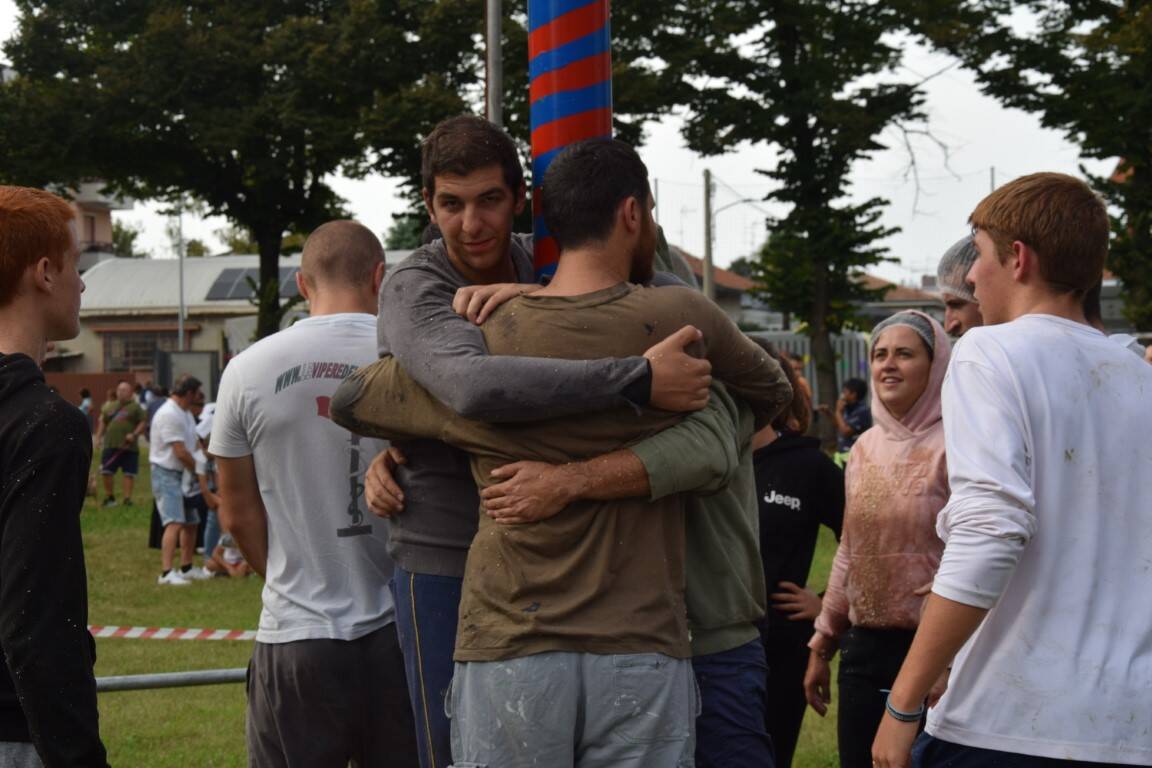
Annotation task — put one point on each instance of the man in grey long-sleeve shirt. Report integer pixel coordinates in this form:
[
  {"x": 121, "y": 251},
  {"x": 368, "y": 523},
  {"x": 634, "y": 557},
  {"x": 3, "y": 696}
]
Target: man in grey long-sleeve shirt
[{"x": 473, "y": 186}]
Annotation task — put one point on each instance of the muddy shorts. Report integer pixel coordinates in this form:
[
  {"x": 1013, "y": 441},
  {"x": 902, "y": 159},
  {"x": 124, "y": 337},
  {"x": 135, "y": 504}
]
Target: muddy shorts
[{"x": 574, "y": 709}]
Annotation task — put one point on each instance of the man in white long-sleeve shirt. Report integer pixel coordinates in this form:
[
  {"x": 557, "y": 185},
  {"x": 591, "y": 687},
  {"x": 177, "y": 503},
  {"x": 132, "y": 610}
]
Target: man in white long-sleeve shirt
[{"x": 1042, "y": 593}]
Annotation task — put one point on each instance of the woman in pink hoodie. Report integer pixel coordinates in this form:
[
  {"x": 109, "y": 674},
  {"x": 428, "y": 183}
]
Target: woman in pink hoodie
[{"x": 896, "y": 482}]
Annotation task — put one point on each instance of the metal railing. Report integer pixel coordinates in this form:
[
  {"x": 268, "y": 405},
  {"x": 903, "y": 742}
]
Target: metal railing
[
  {"x": 851, "y": 348},
  {"x": 170, "y": 680}
]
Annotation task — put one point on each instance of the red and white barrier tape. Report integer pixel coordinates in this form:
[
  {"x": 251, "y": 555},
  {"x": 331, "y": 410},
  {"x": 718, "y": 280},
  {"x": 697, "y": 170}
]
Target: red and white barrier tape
[{"x": 171, "y": 633}]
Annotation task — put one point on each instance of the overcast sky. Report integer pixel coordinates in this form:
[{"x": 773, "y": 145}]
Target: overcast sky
[{"x": 983, "y": 138}]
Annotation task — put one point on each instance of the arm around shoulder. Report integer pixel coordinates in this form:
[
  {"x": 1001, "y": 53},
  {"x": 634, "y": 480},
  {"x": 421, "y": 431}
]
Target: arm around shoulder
[
  {"x": 381, "y": 400},
  {"x": 700, "y": 454},
  {"x": 447, "y": 354},
  {"x": 745, "y": 368}
]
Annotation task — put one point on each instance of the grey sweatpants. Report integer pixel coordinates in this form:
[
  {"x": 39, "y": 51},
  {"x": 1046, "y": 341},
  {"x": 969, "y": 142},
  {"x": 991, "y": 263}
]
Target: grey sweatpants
[{"x": 569, "y": 710}]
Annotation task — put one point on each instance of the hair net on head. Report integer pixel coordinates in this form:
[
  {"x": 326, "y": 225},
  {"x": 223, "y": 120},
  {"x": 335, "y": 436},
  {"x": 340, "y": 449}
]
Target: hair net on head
[
  {"x": 954, "y": 266},
  {"x": 913, "y": 320}
]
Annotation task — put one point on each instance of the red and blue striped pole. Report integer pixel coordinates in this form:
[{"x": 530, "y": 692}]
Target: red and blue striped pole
[{"x": 570, "y": 91}]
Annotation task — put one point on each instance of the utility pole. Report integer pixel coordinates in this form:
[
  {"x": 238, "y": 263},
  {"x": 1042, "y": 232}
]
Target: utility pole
[
  {"x": 495, "y": 69},
  {"x": 656, "y": 198},
  {"x": 708, "y": 287},
  {"x": 991, "y": 178},
  {"x": 180, "y": 259}
]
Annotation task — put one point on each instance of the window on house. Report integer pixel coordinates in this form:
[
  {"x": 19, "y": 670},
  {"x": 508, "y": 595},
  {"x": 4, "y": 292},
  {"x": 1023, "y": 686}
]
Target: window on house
[
  {"x": 136, "y": 351},
  {"x": 89, "y": 228}
]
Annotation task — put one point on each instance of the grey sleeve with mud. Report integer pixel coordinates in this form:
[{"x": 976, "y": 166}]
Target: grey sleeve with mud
[{"x": 446, "y": 354}]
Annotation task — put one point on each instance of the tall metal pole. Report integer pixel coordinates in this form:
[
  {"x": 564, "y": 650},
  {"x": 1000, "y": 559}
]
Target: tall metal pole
[
  {"x": 570, "y": 91},
  {"x": 495, "y": 69},
  {"x": 180, "y": 259},
  {"x": 707, "y": 285}
]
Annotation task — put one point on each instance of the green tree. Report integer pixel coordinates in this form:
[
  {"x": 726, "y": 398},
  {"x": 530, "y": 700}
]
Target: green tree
[
  {"x": 406, "y": 232},
  {"x": 1086, "y": 69},
  {"x": 236, "y": 240},
  {"x": 246, "y": 107},
  {"x": 196, "y": 249},
  {"x": 124, "y": 237},
  {"x": 815, "y": 81},
  {"x": 743, "y": 266}
]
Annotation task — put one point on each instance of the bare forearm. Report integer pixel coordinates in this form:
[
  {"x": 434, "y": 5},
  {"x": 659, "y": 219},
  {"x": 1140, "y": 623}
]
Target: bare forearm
[
  {"x": 530, "y": 491},
  {"x": 944, "y": 628},
  {"x": 183, "y": 456},
  {"x": 616, "y": 475},
  {"x": 250, "y": 531}
]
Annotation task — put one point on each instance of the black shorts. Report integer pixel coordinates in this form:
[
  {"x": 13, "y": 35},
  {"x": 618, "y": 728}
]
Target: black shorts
[
  {"x": 113, "y": 459},
  {"x": 327, "y": 702}
]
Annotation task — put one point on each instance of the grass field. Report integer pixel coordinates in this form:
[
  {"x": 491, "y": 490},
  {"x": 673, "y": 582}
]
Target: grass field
[{"x": 204, "y": 726}]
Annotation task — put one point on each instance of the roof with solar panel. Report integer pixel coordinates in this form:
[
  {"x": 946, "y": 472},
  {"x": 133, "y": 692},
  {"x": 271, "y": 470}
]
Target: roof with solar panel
[{"x": 214, "y": 285}]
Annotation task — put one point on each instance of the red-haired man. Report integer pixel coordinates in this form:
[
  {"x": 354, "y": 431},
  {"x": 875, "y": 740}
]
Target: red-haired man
[{"x": 47, "y": 689}]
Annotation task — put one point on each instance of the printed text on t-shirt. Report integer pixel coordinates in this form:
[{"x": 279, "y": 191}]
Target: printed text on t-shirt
[{"x": 308, "y": 371}]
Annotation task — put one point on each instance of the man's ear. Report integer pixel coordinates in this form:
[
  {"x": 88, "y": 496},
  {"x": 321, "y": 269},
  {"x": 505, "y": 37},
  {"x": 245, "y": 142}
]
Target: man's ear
[
  {"x": 632, "y": 214},
  {"x": 521, "y": 197},
  {"x": 302, "y": 285},
  {"x": 43, "y": 275},
  {"x": 378, "y": 277},
  {"x": 1026, "y": 264},
  {"x": 428, "y": 204}
]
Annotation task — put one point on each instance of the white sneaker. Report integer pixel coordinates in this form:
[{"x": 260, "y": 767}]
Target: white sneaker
[
  {"x": 174, "y": 579},
  {"x": 197, "y": 574}
]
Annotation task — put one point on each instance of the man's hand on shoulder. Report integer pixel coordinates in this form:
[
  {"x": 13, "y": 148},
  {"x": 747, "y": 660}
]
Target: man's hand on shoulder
[
  {"x": 679, "y": 381},
  {"x": 478, "y": 302}
]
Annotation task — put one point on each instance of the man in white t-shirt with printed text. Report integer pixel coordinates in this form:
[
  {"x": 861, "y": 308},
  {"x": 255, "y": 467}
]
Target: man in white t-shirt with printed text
[
  {"x": 326, "y": 683},
  {"x": 1041, "y": 595}
]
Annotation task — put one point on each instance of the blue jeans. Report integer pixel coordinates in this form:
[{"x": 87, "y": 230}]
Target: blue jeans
[
  {"x": 730, "y": 731},
  {"x": 930, "y": 752},
  {"x": 211, "y": 533},
  {"x": 427, "y": 608},
  {"x": 170, "y": 498}
]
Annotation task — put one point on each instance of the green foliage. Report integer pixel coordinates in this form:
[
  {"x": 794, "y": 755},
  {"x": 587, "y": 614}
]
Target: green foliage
[
  {"x": 406, "y": 232},
  {"x": 124, "y": 237},
  {"x": 1086, "y": 70},
  {"x": 743, "y": 266},
  {"x": 247, "y": 107},
  {"x": 195, "y": 249},
  {"x": 840, "y": 242},
  {"x": 814, "y": 81},
  {"x": 236, "y": 239}
]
